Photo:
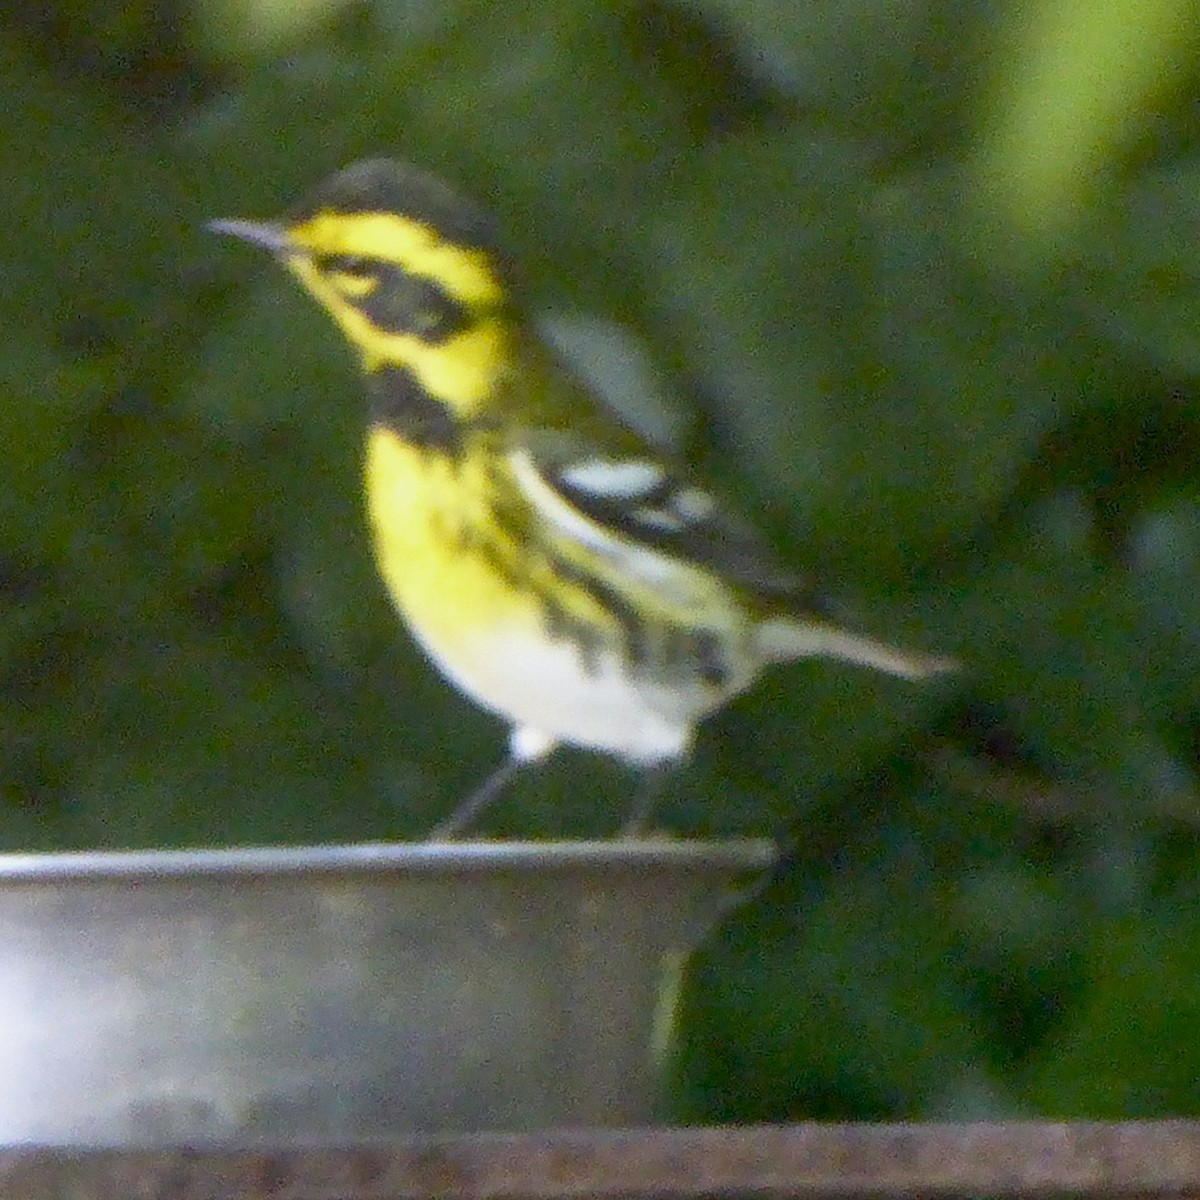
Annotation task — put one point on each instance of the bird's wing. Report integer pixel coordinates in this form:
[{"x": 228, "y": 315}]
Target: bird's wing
[{"x": 635, "y": 499}]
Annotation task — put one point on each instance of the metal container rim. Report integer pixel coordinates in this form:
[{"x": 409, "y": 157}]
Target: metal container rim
[{"x": 416, "y": 858}]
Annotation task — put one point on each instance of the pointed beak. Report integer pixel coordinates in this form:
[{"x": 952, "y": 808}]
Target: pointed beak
[{"x": 259, "y": 233}]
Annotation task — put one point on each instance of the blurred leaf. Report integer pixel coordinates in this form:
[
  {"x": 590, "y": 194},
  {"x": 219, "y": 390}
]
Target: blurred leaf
[
  {"x": 250, "y": 757},
  {"x": 1165, "y": 571},
  {"x": 897, "y": 72},
  {"x": 1080, "y": 82},
  {"x": 836, "y": 323},
  {"x": 830, "y": 1002},
  {"x": 1017, "y": 953},
  {"x": 1139, "y": 275},
  {"x": 1078, "y": 665},
  {"x": 809, "y": 50},
  {"x": 239, "y": 31},
  {"x": 271, "y": 363},
  {"x": 1130, "y": 1051}
]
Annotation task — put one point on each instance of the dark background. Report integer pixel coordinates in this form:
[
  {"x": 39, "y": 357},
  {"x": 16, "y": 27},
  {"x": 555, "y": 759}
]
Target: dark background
[{"x": 922, "y": 281}]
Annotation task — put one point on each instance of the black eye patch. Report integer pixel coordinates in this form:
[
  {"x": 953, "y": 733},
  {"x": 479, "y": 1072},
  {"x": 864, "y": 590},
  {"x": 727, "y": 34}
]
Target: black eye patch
[
  {"x": 411, "y": 304},
  {"x": 356, "y": 265}
]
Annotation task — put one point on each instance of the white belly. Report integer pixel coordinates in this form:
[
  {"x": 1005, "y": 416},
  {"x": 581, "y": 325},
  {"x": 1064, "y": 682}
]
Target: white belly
[{"x": 549, "y": 695}]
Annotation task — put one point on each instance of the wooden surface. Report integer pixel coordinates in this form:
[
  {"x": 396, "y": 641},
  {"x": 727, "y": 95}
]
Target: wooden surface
[{"x": 1025, "y": 1159}]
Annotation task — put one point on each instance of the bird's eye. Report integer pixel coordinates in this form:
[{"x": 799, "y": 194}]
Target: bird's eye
[
  {"x": 353, "y": 275},
  {"x": 355, "y": 265}
]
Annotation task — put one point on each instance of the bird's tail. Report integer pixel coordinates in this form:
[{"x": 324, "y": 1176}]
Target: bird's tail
[{"x": 782, "y": 639}]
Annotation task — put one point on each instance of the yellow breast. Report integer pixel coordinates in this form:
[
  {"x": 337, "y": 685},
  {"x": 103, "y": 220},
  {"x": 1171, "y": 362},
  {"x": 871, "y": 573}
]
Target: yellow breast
[{"x": 425, "y": 510}]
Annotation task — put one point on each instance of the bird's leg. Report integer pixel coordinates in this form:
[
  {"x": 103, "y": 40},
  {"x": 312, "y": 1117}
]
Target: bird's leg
[
  {"x": 525, "y": 745},
  {"x": 461, "y": 819},
  {"x": 646, "y": 795}
]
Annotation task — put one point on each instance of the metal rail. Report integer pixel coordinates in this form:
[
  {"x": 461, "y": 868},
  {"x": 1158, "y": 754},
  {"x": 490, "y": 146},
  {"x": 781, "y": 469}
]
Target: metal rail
[{"x": 1016, "y": 1159}]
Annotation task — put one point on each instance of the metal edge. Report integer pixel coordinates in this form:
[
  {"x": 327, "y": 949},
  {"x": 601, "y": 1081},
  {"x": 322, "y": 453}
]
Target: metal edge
[{"x": 748, "y": 854}]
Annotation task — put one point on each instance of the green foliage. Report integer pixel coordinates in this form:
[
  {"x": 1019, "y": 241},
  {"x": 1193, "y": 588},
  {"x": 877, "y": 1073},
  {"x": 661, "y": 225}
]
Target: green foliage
[{"x": 926, "y": 280}]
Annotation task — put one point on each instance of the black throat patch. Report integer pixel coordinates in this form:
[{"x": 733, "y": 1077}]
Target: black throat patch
[{"x": 398, "y": 402}]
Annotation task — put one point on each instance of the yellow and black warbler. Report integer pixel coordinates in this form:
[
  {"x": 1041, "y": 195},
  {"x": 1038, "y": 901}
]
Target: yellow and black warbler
[{"x": 552, "y": 562}]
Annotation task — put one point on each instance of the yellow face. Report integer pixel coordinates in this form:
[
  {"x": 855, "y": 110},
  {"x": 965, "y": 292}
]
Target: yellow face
[
  {"x": 407, "y": 270},
  {"x": 405, "y": 297}
]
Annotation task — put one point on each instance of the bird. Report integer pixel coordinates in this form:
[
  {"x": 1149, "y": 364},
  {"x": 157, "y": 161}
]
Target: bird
[{"x": 559, "y": 568}]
